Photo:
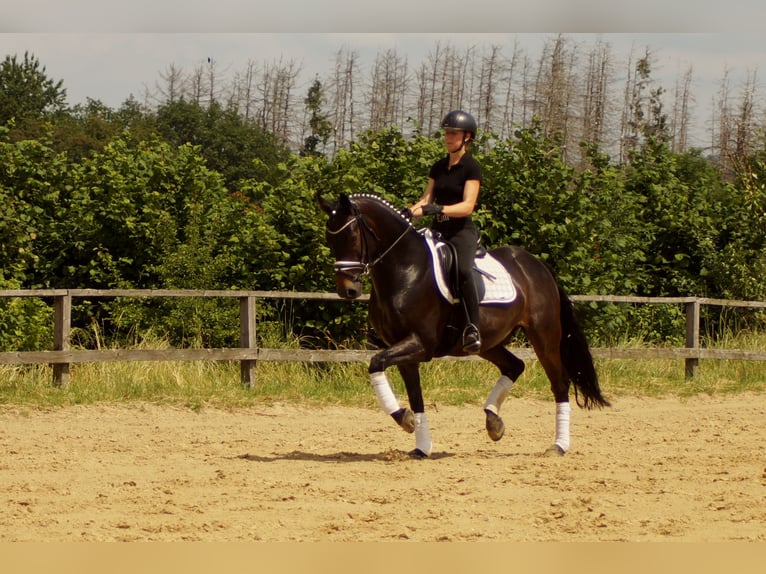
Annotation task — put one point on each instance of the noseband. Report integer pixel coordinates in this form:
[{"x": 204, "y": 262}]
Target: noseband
[{"x": 355, "y": 270}]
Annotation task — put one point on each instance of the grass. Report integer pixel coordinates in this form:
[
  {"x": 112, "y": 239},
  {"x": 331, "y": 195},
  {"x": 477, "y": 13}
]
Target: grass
[{"x": 200, "y": 384}]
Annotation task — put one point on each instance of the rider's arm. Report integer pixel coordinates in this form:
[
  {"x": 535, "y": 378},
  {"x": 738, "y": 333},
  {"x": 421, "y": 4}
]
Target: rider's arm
[
  {"x": 428, "y": 195},
  {"x": 465, "y": 207}
]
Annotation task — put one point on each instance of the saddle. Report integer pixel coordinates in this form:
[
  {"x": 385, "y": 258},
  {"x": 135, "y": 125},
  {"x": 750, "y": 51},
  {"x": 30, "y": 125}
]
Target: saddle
[{"x": 494, "y": 284}]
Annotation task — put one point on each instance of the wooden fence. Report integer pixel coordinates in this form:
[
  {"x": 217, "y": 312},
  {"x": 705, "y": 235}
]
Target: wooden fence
[{"x": 248, "y": 353}]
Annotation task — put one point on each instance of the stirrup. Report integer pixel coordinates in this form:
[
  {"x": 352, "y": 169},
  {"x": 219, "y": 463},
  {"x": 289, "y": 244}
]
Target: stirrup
[{"x": 471, "y": 339}]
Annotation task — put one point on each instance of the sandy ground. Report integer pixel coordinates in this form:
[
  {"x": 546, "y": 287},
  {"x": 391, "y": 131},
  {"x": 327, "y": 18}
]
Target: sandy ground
[{"x": 643, "y": 470}]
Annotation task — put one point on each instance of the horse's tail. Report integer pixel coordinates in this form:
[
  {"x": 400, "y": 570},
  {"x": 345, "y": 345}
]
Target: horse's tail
[{"x": 577, "y": 359}]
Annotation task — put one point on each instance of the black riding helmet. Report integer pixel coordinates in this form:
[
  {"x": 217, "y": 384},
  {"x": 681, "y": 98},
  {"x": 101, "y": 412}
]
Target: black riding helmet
[{"x": 460, "y": 120}]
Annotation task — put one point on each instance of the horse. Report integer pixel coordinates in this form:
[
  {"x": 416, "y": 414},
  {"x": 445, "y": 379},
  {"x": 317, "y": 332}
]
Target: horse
[{"x": 369, "y": 236}]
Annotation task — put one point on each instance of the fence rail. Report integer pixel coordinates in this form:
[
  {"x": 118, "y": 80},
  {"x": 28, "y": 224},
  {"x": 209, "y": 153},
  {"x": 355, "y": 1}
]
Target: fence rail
[{"x": 248, "y": 354}]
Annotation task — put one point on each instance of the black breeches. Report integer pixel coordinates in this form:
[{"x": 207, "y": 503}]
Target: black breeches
[{"x": 465, "y": 242}]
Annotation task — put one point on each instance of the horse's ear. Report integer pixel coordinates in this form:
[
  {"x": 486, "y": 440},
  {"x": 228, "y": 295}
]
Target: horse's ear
[
  {"x": 325, "y": 205},
  {"x": 344, "y": 201}
]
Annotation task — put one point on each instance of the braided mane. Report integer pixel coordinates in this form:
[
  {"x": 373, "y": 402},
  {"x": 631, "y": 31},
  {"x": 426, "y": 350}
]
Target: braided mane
[{"x": 383, "y": 202}]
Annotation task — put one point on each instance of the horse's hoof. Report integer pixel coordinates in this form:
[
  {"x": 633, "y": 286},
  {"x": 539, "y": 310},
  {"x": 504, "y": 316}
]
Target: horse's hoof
[
  {"x": 405, "y": 418},
  {"x": 417, "y": 454},
  {"x": 554, "y": 450},
  {"x": 495, "y": 425}
]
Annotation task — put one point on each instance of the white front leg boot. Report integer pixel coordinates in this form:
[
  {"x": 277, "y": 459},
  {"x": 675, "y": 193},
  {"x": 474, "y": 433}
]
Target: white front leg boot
[{"x": 386, "y": 398}]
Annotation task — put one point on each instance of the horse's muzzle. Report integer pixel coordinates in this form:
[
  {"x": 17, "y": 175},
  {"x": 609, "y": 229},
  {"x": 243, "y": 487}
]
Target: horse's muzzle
[
  {"x": 348, "y": 278},
  {"x": 348, "y": 288}
]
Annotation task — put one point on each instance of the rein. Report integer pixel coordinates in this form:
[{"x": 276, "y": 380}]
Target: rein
[{"x": 362, "y": 266}]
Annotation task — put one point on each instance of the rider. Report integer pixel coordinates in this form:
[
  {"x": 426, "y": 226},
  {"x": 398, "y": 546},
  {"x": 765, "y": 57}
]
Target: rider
[{"x": 451, "y": 195}]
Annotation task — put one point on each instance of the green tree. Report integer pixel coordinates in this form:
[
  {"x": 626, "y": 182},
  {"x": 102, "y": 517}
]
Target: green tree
[
  {"x": 87, "y": 128},
  {"x": 26, "y": 91},
  {"x": 386, "y": 162},
  {"x": 36, "y": 181},
  {"x": 741, "y": 263},
  {"x": 233, "y": 147},
  {"x": 321, "y": 127},
  {"x": 677, "y": 217},
  {"x": 17, "y": 218},
  {"x": 530, "y": 198},
  {"x": 28, "y": 172}
]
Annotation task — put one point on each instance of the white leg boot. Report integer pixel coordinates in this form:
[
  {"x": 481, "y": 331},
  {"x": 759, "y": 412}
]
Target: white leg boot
[
  {"x": 562, "y": 426},
  {"x": 497, "y": 394},
  {"x": 422, "y": 434},
  {"x": 386, "y": 398}
]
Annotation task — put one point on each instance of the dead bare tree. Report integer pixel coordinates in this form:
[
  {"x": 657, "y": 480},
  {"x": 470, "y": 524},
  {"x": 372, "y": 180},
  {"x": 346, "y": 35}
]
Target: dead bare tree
[
  {"x": 745, "y": 122},
  {"x": 212, "y": 89},
  {"x": 277, "y": 85},
  {"x": 571, "y": 89},
  {"x": 243, "y": 90},
  {"x": 463, "y": 80},
  {"x": 596, "y": 94},
  {"x": 490, "y": 70},
  {"x": 679, "y": 123},
  {"x": 340, "y": 89},
  {"x": 723, "y": 128},
  {"x": 642, "y": 114},
  {"x": 440, "y": 85},
  {"x": 434, "y": 62},
  {"x": 196, "y": 85},
  {"x": 387, "y": 89},
  {"x": 172, "y": 88},
  {"x": 451, "y": 83},
  {"x": 528, "y": 94},
  {"x": 204, "y": 85},
  {"x": 554, "y": 89},
  {"x": 509, "y": 115}
]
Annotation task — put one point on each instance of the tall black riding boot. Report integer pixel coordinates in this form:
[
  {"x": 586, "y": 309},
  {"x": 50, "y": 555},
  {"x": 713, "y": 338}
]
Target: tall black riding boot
[{"x": 471, "y": 335}]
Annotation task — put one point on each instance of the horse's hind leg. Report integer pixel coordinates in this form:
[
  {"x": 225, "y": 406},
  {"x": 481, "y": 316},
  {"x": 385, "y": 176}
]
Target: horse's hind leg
[
  {"x": 548, "y": 351},
  {"x": 511, "y": 368}
]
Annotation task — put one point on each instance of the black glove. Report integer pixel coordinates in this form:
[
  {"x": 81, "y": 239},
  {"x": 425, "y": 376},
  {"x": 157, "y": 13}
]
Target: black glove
[
  {"x": 406, "y": 213},
  {"x": 432, "y": 209}
]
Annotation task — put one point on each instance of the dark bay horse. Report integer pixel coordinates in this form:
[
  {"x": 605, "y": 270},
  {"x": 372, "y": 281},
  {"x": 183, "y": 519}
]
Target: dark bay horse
[{"x": 368, "y": 236}]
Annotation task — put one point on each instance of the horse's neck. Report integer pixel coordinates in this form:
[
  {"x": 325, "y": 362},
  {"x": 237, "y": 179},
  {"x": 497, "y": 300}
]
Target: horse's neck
[{"x": 405, "y": 265}]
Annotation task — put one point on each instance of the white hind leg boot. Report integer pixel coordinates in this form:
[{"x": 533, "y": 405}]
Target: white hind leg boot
[
  {"x": 422, "y": 434},
  {"x": 497, "y": 394},
  {"x": 386, "y": 398},
  {"x": 562, "y": 425}
]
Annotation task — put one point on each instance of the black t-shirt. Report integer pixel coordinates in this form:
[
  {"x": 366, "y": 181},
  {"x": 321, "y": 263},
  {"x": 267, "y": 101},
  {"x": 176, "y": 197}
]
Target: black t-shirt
[{"x": 449, "y": 185}]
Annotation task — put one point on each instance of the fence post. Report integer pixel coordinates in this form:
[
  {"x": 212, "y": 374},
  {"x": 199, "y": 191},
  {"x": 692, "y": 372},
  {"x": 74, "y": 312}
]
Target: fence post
[
  {"x": 692, "y": 335},
  {"x": 62, "y": 325},
  {"x": 247, "y": 339}
]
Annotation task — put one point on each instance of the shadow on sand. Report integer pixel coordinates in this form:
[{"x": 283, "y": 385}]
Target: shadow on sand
[{"x": 348, "y": 457}]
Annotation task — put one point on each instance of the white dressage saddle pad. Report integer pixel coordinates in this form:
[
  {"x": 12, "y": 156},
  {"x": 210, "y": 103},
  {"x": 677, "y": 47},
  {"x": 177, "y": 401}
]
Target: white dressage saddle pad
[{"x": 498, "y": 285}]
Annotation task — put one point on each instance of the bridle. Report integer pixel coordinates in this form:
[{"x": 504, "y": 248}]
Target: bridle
[{"x": 355, "y": 270}]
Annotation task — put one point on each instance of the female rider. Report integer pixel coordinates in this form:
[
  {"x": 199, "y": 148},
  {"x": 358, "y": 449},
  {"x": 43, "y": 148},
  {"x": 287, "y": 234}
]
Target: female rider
[{"x": 451, "y": 195}]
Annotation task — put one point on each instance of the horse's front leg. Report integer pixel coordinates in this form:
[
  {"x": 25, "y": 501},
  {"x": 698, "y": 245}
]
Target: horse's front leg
[
  {"x": 406, "y": 355},
  {"x": 411, "y": 374}
]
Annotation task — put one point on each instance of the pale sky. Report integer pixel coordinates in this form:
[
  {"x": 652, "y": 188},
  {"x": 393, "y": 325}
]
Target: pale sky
[
  {"x": 108, "y": 50},
  {"x": 474, "y": 16}
]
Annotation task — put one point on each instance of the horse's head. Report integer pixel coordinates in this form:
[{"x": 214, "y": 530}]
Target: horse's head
[
  {"x": 346, "y": 243},
  {"x": 359, "y": 237}
]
